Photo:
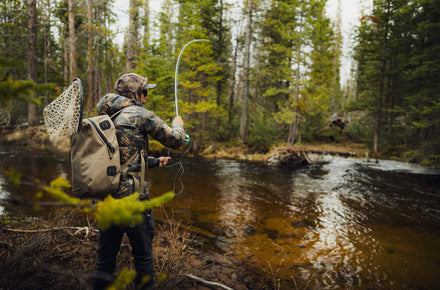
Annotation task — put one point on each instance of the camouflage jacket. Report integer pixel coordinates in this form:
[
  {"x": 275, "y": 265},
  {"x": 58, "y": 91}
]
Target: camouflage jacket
[{"x": 133, "y": 125}]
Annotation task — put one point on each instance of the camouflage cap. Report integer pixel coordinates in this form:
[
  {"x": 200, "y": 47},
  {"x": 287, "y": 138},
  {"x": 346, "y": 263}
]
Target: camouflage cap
[{"x": 131, "y": 85}]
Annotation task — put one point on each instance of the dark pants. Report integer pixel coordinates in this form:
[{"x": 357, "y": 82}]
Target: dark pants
[{"x": 141, "y": 237}]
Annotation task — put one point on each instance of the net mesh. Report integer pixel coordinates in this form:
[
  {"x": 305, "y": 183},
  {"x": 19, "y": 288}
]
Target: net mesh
[{"x": 63, "y": 115}]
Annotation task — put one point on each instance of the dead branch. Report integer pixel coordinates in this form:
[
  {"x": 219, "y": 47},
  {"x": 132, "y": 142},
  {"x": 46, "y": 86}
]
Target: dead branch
[
  {"x": 307, "y": 158},
  {"x": 209, "y": 283},
  {"x": 15, "y": 201},
  {"x": 78, "y": 230}
]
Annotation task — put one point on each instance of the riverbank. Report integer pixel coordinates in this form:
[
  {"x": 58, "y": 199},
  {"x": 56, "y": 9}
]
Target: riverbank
[
  {"x": 37, "y": 137},
  {"x": 57, "y": 251},
  {"x": 56, "y": 248},
  {"x": 239, "y": 238}
]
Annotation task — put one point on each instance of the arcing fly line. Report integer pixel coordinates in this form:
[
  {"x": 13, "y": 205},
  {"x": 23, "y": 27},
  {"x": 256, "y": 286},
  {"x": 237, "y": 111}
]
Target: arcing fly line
[
  {"x": 176, "y": 74},
  {"x": 176, "y": 113}
]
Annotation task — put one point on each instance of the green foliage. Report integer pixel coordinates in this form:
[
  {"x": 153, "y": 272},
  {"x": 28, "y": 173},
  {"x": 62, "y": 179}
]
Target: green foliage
[
  {"x": 262, "y": 133},
  {"x": 13, "y": 38},
  {"x": 294, "y": 67},
  {"x": 298, "y": 64},
  {"x": 159, "y": 69},
  {"x": 201, "y": 77},
  {"x": 14, "y": 176},
  {"x": 398, "y": 86},
  {"x": 127, "y": 210},
  {"x": 56, "y": 190},
  {"x": 17, "y": 90},
  {"x": 110, "y": 211},
  {"x": 123, "y": 280}
]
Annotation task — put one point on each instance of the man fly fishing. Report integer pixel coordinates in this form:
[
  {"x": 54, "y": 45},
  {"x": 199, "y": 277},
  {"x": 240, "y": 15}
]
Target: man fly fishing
[{"x": 133, "y": 125}]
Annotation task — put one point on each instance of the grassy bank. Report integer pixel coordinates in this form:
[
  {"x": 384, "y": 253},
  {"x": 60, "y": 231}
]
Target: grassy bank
[
  {"x": 37, "y": 137},
  {"x": 241, "y": 152},
  {"x": 57, "y": 251}
]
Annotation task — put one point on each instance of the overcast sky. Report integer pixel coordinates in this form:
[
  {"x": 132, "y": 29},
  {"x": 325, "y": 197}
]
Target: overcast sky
[
  {"x": 350, "y": 10},
  {"x": 350, "y": 15}
]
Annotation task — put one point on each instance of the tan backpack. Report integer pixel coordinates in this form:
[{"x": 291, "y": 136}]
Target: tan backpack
[
  {"x": 95, "y": 160},
  {"x": 94, "y": 149}
]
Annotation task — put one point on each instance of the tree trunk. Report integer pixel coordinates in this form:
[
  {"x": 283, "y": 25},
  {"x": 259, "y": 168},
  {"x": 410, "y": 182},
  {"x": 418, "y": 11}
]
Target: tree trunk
[
  {"x": 232, "y": 85},
  {"x": 33, "y": 118},
  {"x": 219, "y": 87},
  {"x": 247, "y": 55},
  {"x": 72, "y": 40},
  {"x": 146, "y": 24},
  {"x": 132, "y": 34},
  {"x": 91, "y": 96},
  {"x": 99, "y": 53},
  {"x": 66, "y": 52},
  {"x": 46, "y": 40},
  {"x": 292, "y": 132},
  {"x": 337, "y": 47},
  {"x": 382, "y": 84},
  {"x": 294, "y": 125}
]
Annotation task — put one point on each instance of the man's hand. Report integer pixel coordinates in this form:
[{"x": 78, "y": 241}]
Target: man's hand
[
  {"x": 178, "y": 120},
  {"x": 163, "y": 161}
]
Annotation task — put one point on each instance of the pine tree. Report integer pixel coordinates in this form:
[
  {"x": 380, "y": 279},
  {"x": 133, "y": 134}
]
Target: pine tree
[
  {"x": 198, "y": 71},
  {"x": 157, "y": 62},
  {"x": 276, "y": 60},
  {"x": 423, "y": 87},
  {"x": 321, "y": 87},
  {"x": 397, "y": 67}
]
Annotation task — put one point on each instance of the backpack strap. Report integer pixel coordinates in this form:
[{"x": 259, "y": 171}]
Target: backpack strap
[
  {"x": 142, "y": 155},
  {"x": 125, "y": 165},
  {"x": 117, "y": 113},
  {"x": 138, "y": 187}
]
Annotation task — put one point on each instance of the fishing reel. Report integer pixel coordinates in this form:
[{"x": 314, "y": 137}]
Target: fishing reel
[{"x": 187, "y": 139}]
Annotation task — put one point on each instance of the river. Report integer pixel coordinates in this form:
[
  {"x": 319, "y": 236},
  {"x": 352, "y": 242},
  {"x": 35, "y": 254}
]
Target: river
[{"x": 340, "y": 222}]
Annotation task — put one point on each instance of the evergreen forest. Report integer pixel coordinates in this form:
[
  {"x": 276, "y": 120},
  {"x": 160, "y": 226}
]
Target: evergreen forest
[{"x": 268, "y": 76}]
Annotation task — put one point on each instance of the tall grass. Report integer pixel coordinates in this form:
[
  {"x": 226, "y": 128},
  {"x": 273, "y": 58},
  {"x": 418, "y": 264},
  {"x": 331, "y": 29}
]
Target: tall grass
[{"x": 170, "y": 247}]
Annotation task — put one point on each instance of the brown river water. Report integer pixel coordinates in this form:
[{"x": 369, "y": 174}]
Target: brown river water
[{"x": 343, "y": 223}]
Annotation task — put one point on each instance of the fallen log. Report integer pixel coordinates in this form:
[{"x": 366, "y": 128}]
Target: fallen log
[
  {"x": 293, "y": 156},
  {"x": 288, "y": 157}
]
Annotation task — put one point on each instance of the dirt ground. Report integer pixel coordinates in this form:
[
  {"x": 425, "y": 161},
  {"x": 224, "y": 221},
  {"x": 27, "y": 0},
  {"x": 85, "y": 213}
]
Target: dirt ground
[{"x": 54, "y": 252}]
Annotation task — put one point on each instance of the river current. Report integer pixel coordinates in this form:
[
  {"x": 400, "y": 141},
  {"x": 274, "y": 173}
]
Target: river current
[{"x": 339, "y": 222}]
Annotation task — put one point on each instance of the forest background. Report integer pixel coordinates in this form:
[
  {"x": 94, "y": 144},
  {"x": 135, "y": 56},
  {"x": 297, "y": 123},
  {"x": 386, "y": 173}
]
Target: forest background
[{"x": 275, "y": 82}]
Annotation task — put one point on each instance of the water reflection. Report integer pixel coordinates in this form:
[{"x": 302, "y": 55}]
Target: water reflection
[
  {"x": 3, "y": 194},
  {"x": 333, "y": 248},
  {"x": 339, "y": 220},
  {"x": 236, "y": 212},
  {"x": 36, "y": 167}
]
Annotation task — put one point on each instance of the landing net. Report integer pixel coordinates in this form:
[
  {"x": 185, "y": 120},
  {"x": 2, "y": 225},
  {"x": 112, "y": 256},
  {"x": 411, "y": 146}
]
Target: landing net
[{"x": 63, "y": 116}]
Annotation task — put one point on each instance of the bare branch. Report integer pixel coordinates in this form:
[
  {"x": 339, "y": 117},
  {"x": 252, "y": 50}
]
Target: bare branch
[{"x": 209, "y": 283}]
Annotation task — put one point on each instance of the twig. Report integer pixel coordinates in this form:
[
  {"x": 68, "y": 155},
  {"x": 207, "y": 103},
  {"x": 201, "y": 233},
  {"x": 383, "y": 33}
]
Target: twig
[
  {"x": 45, "y": 203},
  {"x": 78, "y": 229},
  {"x": 209, "y": 283},
  {"x": 307, "y": 158}
]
